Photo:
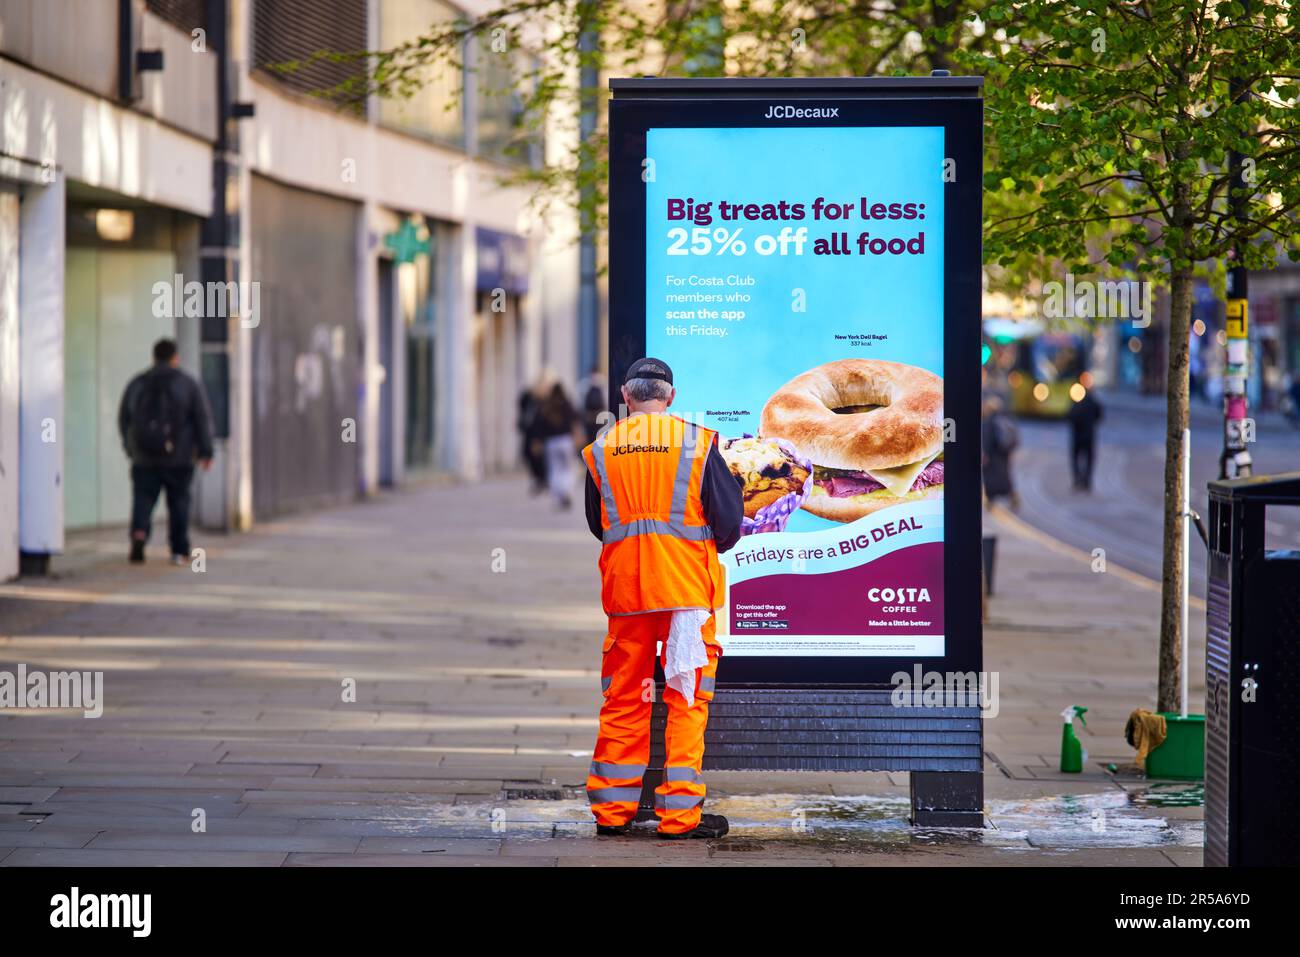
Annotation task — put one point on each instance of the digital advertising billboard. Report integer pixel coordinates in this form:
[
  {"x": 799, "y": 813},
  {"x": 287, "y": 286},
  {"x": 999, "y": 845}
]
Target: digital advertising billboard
[{"x": 807, "y": 262}]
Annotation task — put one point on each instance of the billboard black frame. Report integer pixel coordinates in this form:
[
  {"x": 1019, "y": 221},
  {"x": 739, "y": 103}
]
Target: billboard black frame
[{"x": 954, "y": 103}]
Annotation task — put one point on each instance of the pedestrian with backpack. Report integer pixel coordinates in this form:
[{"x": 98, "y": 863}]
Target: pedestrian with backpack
[
  {"x": 999, "y": 439},
  {"x": 166, "y": 428}
]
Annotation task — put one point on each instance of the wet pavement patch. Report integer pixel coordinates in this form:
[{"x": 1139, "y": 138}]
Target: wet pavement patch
[
  {"x": 789, "y": 823},
  {"x": 1103, "y": 819},
  {"x": 1170, "y": 795}
]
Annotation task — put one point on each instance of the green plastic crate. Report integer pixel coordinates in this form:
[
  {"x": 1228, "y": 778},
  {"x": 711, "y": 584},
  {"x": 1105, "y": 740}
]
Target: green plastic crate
[{"x": 1182, "y": 754}]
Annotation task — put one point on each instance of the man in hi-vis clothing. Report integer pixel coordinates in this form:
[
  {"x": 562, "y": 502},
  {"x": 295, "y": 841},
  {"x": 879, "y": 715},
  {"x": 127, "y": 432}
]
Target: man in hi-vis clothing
[{"x": 663, "y": 504}]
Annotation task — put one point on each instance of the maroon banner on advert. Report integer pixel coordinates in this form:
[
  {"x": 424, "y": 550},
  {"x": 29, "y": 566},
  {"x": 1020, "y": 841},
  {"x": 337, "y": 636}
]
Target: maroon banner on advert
[{"x": 897, "y": 594}]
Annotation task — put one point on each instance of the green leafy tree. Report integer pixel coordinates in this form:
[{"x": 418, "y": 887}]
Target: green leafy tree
[
  {"x": 583, "y": 42},
  {"x": 1111, "y": 124}
]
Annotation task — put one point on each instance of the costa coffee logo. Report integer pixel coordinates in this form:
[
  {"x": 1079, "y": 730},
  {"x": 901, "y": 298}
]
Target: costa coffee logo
[{"x": 898, "y": 599}]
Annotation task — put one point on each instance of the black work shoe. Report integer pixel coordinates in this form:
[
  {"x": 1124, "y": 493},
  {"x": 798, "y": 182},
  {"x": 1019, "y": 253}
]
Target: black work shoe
[
  {"x": 613, "y": 830},
  {"x": 711, "y": 827},
  {"x": 137, "y": 551}
]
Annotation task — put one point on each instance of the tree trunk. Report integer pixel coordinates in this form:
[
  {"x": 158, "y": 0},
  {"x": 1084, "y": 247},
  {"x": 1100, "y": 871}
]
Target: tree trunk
[{"x": 1169, "y": 695}]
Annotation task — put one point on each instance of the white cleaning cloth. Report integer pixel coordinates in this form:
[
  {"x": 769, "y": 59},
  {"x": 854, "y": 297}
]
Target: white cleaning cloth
[{"x": 684, "y": 651}]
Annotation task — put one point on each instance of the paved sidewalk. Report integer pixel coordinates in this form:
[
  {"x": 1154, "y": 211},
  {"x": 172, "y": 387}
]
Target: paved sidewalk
[{"x": 475, "y": 701}]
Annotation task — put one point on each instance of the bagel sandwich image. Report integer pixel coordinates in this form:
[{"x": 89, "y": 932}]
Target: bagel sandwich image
[{"x": 873, "y": 430}]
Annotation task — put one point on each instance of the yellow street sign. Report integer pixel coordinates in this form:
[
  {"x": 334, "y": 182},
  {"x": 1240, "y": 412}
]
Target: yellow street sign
[{"x": 1237, "y": 319}]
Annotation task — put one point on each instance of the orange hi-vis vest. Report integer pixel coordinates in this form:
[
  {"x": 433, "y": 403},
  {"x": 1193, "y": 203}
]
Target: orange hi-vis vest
[{"x": 658, "y": 552}]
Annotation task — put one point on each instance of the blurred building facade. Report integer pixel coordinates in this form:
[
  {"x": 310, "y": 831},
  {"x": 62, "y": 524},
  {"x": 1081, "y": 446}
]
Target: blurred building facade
[{"x": 360, "y": 294}]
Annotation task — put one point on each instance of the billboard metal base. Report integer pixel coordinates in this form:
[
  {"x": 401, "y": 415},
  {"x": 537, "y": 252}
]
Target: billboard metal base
[{"x": 789, "y": 729}]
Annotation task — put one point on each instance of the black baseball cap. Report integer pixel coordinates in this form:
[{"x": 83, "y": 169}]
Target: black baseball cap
[{"x": 649, "y": 368}]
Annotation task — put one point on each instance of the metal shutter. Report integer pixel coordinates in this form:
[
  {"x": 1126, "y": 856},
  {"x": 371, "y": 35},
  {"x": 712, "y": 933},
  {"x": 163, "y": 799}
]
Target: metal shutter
[{"x": 285, "y": 30}]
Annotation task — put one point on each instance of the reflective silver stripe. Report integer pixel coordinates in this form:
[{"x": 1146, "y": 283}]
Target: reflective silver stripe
[
  {"x": 605, "y": 683},
  {"x": 676, "y": 524},
  {"x": 621, "y": 771},
  {"x": 649, "y": 611},
  {"x": 681, "y": 774},
  {"x": 677, "y": 802},
  {"x": 604, "y": 795},
  {"x": 606, "y": 493},
  {"x": 707, "y": 683},
  {"x": 682, "y": 481},
  {"x": 656, "y": 526}
]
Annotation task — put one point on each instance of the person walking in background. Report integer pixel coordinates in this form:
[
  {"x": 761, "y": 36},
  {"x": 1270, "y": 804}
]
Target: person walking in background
[
  {"x": 1291, "y": 390},
  {"x": 1000, "y": 438},
  {"x": 166, "y": 427},
  {"x": 530, "y": 441},
  {"x": 1084, "y": 416},
  {"x": 594, "y": 404},
  {"x": 557, "y": 420}
]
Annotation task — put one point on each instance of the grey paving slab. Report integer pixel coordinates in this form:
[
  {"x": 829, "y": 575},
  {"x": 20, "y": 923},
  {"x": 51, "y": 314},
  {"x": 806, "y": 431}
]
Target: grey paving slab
[
  {"x": 24, "y": 795},
  {"x": 1185, "y": 856},
  {"x": 368, "y": 798},
  {"x": 207, "y": 842},
  {"x": 456, "y": 786},
  {"x": 47, "y": 837},
  {"x": 406, "y": 829},
  {"x": 412, "y": 860},
  {"x": 156, "y": 823},
  {"x": 232, "y": 769},
  {"x": 86, "y": 857},
  {"x": 359, "y": 810},
  {"x": 490, "y": 846},
  {"x": 486, "y": 772},
  {"x": 630, "y": 847},
  {"x": 127, "y": 792}
]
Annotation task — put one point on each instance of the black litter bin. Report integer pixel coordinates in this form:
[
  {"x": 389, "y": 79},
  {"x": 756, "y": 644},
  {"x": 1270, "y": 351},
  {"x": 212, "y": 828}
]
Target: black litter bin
[{"x": 1252, "y": 677}]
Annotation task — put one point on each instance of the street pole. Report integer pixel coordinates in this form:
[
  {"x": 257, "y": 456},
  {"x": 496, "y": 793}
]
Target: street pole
[
  {"x": 588, "y": 267},
  {"x": 1235, "y": 458},
  {"x": 1186, "y": 556}
]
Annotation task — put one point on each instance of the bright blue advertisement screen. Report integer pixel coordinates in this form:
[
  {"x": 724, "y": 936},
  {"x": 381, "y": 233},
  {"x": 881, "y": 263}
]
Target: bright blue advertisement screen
[{"x": 795, "y": 285}]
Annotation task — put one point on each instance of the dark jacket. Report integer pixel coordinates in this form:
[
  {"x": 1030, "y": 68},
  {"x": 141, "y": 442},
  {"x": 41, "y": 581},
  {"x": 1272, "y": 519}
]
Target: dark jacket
[
  {"x": 193, "y": 441},
  {"x": 719, "y": 495},
  {"x": 1000, "y": 438},
  {"x": 556, "y": 415},
  {"x": 1084, "y": 416}
]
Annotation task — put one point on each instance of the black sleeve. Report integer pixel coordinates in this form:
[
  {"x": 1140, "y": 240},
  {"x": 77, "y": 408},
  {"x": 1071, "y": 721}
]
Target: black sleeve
[
  {"x": 202, "y": 421},
  {"x": 720, "y": 496},
  {"x": 593, "y": 506},
  {"x": 124, "y": 413}
]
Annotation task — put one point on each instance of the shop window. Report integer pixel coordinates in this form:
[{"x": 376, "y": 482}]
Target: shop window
[
  {"x": 435, "y": 108},
  {"x": 502, "y": 81}
]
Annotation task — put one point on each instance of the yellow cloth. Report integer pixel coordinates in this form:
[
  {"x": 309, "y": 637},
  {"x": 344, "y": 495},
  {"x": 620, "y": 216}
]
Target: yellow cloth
[{"x": 1146, "y": 732}]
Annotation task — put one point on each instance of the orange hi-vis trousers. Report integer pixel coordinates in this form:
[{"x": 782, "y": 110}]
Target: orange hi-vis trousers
[{"x": 623, "y": 743}]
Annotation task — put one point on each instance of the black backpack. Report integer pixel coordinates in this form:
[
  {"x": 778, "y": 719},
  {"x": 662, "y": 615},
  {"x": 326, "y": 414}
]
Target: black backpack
[
  {"x": 1005, "y": 435},
  {"x": 158, "y": 419}
]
